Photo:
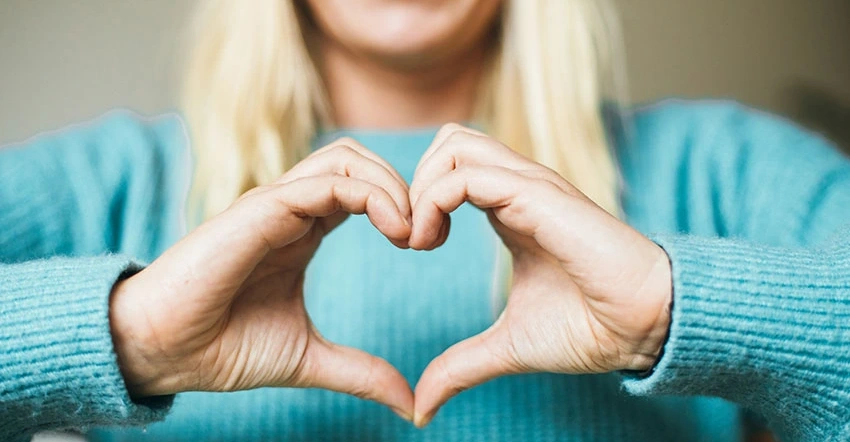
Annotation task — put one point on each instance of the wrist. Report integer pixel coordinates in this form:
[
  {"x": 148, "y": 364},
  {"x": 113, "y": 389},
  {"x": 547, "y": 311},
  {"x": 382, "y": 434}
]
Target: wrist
[
  {"x": 649, "y": 345},
  {"x": 134, "y": 343}
]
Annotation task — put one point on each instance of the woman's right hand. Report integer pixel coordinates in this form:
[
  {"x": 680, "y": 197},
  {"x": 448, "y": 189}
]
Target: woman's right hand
[{"x": 223, "y": 309}]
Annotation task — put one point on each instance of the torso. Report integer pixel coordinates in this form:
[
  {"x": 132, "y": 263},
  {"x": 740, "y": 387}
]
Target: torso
[{"x": 407, "y": 307}]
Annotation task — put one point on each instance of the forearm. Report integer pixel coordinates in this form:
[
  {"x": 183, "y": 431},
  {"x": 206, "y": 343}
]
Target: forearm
[
  {"x": 764, "y": 327},
  {"x": 57, "y": 364}
]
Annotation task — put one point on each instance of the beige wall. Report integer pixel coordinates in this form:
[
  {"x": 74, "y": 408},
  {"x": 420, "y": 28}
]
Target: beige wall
[
  {"x": 62, "y": 61},
  {"x": 66, "y": 60},
  {"x": 790, "y": 56}
]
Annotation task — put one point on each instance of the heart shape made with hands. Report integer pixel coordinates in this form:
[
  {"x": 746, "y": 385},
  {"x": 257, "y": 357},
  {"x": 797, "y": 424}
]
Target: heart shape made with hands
[{"x": 589, "y": 294}]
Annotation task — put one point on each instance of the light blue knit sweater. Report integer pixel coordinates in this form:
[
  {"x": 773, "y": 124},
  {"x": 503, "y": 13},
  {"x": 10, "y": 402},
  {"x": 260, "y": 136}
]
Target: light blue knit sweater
[{"x": 749, "y": 208}]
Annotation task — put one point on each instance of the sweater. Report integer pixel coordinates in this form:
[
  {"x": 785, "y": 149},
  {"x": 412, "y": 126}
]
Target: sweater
[{"x": 749, "y": 208}]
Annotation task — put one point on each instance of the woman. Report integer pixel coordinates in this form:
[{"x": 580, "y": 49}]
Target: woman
[{"x": 737, "y": 293}]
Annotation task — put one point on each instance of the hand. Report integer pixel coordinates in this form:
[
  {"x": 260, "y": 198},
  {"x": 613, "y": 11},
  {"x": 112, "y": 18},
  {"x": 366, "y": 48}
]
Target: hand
[
  {"x": 223, "y": 309},
  {"x": 589, "y": 294}
]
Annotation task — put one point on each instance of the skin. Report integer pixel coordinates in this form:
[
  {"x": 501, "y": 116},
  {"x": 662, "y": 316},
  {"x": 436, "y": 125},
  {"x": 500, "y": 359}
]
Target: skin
[
  {"x": 590, "y": 294},
  {"x": 402, "y": 64}
]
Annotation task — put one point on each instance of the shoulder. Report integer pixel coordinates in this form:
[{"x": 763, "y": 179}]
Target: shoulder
[
  {"x": 716, "y": 127},
  {"x": 718, "y": 165},
  {"x": 719, "y": 141},
  {"x": 118, "y": 134}
]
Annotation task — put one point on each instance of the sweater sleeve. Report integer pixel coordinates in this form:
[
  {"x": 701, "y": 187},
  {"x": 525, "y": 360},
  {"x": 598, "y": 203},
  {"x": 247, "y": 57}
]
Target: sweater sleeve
[
  {"x": 761, "y": 310},
  {"x": 78, "y": 208},
  {"x": 58, "y": 369}
]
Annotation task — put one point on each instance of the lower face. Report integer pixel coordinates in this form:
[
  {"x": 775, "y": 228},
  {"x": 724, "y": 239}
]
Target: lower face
[{"x": 411, "y": 33}]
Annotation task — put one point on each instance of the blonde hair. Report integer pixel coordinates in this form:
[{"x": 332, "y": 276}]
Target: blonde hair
[{"x": 254, "y": 100}]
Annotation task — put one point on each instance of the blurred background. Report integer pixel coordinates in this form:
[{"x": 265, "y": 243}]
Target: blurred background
[{"x": 65, "y": 61}]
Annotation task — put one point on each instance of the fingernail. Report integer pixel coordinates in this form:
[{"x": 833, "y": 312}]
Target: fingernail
[{"x": 402, "y": 414}]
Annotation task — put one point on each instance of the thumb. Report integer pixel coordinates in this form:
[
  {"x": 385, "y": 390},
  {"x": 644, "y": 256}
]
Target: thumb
[
  {"x": 462, "y": 366},
  {"x": 355, "y": 372}
]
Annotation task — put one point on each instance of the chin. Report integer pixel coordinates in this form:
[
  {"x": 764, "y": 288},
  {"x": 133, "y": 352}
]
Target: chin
[{"x": 412, "y": 32}]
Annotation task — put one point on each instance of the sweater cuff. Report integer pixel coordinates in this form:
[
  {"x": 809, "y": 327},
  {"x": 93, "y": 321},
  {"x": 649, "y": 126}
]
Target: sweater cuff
[
  {"x": 58, "y": 368},
  {"x": 767, "y": 328}
]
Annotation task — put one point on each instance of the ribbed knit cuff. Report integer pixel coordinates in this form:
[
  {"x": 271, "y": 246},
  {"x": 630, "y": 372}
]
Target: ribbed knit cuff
[
  {"x": 58, "y": 368},
  {"x": 767, "y": 328}
]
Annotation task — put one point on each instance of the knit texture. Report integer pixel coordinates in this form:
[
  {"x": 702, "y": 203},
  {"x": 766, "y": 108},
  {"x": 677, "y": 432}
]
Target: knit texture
[
  {"x": 748, "y": 207},
  {"x": 112, "y": 185},
  {"x": 762, "y": 327},
  {"x": 55, "y": 371}
]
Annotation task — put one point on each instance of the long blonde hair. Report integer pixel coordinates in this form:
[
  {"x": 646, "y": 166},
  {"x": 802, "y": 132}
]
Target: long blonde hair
[{"x": 254, "y": 100}]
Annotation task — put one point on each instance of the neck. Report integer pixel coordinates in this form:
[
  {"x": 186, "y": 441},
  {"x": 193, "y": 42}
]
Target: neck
[{"x": 371, "y": 94}]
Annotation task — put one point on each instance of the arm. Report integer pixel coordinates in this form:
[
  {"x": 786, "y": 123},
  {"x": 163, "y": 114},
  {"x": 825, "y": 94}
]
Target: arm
[
  {"x": 116, "y": 184},
  {"x": 765, "y": 327},
  {"x": 758, "y": 317},
  {"x": 106, "y": 186},
  {"x": 196, "y": 318},
  {"x": 58, "y": 368}
]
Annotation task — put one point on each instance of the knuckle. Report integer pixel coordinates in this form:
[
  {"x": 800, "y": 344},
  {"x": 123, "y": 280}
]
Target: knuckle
[
  {"x": 364, "y": 389},
  {"x": 548, "y": 187},
  {"x": 460, "y": 135},
  {"x": 449, "y": 379},
  {"x": 344, "y": 150},
  {"x": 300, "y": 371},
  {"x": 449, "y": 128},
  {"x": 466, "y": 170},
  {"x": 551, "y": 177},
  {"x": 348, "y": 160},
  {"x": 338, "y": 183},
  {"x": 354, "y": 149},
  {"x": 352, "y": 144},
  {"x": 347, "y": 141},
  {"x": 512, "y": 358},
  {"x": 252, "y": 192},
  {"x": 323, "y": 149}
]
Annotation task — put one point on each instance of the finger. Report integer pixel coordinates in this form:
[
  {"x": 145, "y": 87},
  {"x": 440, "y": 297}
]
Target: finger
[
  {"x": 355, "y": 372},
  {"x": 348, "y": 161},
  {"x": 352, "y": 143},
  {"x": 273, "y": 217},
  {"x": 486, "y": 187},
  {"x": 285, "y": 212},
  {"x": 443, "y": 234},
  {"x": 461, "y": 147},
  {"x": 445, "y": 132},
  {"x": 462, "y": 366}
]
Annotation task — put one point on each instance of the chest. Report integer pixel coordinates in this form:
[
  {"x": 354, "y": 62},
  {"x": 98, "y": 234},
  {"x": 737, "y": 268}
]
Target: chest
[{"x": 364, "y": 292}]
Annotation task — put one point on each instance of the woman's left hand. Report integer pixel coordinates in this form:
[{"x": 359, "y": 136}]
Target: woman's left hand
[{"x": 589, "y": 294}]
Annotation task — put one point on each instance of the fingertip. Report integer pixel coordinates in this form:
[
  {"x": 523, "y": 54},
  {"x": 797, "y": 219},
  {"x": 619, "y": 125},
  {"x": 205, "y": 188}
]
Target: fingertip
[
  {"x": 415, "y": 233},
  {"x": 390, "y": 221},
  {"x": 399, "y": 397},
  {"x": 443, "y": 234},
  {"x": 401, "y": 244},
  {"x": 391, "y": 389},
  {"x": 427, "y": 226},
  {"x": 464, "y": 365},
  {"x": 355, "y": 372},
  {"x": 430, "y": 395},
  {"x": 421, "y": 421},
  {"x": 402, "y": 414}
]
